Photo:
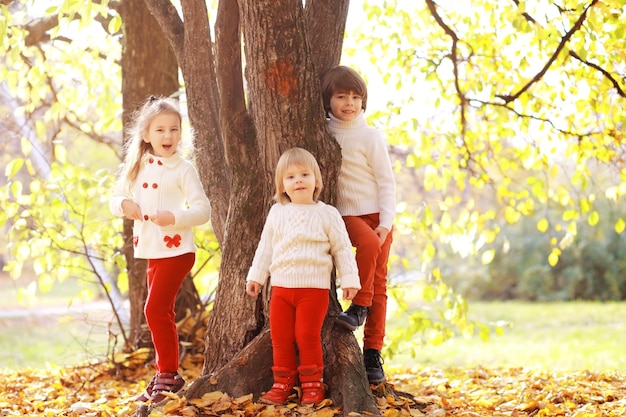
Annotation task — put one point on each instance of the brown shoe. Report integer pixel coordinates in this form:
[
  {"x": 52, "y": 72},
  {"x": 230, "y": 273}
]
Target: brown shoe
[
  {"x": 166, "y": 382},
  {"x": 145, "y": 396}
]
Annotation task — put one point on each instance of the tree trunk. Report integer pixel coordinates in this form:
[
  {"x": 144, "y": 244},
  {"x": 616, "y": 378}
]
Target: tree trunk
[
  {"x": 240, "y": 137},
  {"x": 148, "y": 67}
]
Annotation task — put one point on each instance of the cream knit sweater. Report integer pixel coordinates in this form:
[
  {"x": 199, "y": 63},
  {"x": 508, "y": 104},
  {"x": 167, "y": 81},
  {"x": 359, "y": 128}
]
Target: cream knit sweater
[
  {"x": 298, "y": 245},
  {"x": 366, "y": 182}
]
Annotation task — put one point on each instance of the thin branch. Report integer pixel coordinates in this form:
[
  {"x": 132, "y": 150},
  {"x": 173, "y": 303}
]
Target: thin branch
[
  {"x": 453, "y": 57},
  {"x": 528, "y": 17},
  {"x": 38, "y": 28},
  {"x": 533, "y": 117},
  {"x": 455, "y": 68},
  {"x": 604, "y": 72},
  {"x": 509, "y": 98}
]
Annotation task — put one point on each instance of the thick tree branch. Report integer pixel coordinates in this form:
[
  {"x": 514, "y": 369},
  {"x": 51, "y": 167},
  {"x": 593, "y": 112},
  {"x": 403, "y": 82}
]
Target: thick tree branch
[
  {"x": 604, "y": 72},
  {"x": 326, "y": 24},
  {"x": 236, "y": 123},
  {"x": 511, "y": 97},
  {"x": 170, "y": 22}
]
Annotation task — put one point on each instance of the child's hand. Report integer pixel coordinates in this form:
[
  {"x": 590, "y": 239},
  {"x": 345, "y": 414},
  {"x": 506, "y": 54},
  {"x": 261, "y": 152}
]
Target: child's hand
[
  {"x": 382, "y": 234},
  {"x": 163, "y": 218},
  {"x": 131, "y": 210},
  {"x": 349, "y": 293},
  {"x": 253, "y": 288}
]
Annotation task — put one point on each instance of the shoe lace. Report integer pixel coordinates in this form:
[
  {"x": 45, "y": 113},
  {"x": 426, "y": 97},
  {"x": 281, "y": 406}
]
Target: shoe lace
[{"x": 373, "y": 360}]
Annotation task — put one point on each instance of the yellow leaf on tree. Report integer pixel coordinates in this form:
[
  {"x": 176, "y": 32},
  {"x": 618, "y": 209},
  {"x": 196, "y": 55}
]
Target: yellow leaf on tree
[
  {"x": 511, "y": 215},
  {"x": 488, "y": 256},
  {"x": 593, "y": 219},
  {"x": 553, "y": 258},
  {"x": 542, "y": 225}
]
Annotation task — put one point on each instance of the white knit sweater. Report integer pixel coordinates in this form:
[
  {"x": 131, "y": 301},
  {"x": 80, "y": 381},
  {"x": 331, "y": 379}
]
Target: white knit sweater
[
  {"x": 164, "y": 184},
  {"x": 366, "y": 182},
  {"x": 298, "y": 245}
]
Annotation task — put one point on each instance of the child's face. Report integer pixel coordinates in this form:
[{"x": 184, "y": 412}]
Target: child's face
[
  {"x": 299, "y": 184},
  {"x": 346, "y": 105},
  {"x": 164, "y": 134}
]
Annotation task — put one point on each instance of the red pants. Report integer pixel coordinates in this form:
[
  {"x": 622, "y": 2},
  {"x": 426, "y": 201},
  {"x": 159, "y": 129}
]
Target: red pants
[
  {"x": 165, "y": 276},
  {"x": 371, "y": 258},
  {"x": 296, "y": 318}
]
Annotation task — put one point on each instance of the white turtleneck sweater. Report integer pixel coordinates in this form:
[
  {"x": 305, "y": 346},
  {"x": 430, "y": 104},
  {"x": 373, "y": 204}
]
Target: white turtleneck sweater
[
  {"x": 366, "y": 182},
  {"x": 298, "y": 246},
  {"x": 172, "y": 184}
]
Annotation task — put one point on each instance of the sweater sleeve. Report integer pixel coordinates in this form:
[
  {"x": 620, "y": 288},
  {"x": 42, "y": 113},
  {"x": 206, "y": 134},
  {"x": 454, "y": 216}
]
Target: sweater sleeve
[
  {"x": 341, "y": 250},
  {"x": 260, "y": 269},
  {"x": 381, "y": 164},
  {"x": 198, "y": 209},
  {"x": 119, "y": 195}
]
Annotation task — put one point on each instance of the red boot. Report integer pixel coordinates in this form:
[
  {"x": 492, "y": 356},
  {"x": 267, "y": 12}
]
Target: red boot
[
  {"x": 284, "y": 380},
  {"x": 312, "y": 383}
]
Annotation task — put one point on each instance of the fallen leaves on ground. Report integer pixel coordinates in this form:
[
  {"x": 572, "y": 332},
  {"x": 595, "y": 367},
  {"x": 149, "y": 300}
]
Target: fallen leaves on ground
[{"x": 101, "y": 389}]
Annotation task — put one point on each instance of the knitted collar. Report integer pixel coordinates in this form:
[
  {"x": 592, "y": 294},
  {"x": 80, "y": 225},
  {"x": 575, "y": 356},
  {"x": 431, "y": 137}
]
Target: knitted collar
[
  {"x": 170, "y": 161},
  {"x": 336, "y": 125}
]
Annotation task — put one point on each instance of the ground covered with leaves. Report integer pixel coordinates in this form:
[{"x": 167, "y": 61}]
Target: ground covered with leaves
[{"x": 107, "y": 389}]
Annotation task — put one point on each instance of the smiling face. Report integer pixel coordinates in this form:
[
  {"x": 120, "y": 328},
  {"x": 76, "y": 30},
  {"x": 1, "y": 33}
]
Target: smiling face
[
  {"x": 163, "y": 134},
  {"x": 299, "y": 184},
  {"x": 346, "y": 106}
]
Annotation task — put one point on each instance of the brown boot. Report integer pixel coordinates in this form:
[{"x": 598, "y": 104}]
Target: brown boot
[
  {"x": 312, "y": 383},
  {"x": 166, "y": 382},
  {"x": 284, "y": 380}
]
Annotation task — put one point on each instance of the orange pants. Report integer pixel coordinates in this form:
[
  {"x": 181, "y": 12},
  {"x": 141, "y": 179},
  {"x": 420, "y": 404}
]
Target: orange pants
[
  {"x": 165, "y": 276},
  {"x": 371, "y": 258},
  {"x": 296, "y": 318}
]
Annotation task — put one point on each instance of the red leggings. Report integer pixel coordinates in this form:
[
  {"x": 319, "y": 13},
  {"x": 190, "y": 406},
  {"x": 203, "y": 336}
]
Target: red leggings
[
  {"x": 296, "y": 318},
  {"x": 165, "y": 276},
  {"x": 371, "y": 258}
]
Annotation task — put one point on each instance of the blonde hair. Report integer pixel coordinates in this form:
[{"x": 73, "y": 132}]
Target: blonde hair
[
  {"x": 136, "y": 147},
  {"x": 301, "y": 158},
  {"x": 341, "y": 79}
]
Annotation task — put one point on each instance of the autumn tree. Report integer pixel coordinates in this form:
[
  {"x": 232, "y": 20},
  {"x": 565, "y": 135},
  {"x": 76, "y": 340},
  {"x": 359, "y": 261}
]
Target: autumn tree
[{"x": 242, "y": 131}]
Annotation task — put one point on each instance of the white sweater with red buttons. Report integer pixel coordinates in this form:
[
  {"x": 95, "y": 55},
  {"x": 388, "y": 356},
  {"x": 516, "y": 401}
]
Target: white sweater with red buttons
[
  {"x": 366, "y": 183},
  {"x": 172, "y": 184},
  {"x": 299, "y": 245}
]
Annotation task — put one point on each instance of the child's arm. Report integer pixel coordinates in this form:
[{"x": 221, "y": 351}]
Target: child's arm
[
  {"x": 385, "y": 181},
  {"x": 199, "y": 209},
  {"x": 259, "y": 271},
  {"x": 343, "y": 256}
]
